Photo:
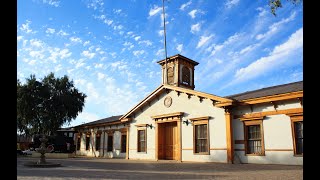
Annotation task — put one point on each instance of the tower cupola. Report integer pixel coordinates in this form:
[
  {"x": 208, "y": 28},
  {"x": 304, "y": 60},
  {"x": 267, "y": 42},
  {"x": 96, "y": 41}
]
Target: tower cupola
[{"x": 180, "y": 71}]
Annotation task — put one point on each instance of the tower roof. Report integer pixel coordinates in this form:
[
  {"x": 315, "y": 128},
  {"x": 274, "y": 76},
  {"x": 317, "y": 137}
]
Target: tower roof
[{"x": 161, "y": 62}]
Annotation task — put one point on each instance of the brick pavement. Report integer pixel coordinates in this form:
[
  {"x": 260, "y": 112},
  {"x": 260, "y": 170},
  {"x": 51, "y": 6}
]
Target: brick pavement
[{"x": 97, "y": 168}]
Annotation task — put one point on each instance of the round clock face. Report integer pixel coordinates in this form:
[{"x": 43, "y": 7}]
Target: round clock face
[{"x": 167, "y": 101}]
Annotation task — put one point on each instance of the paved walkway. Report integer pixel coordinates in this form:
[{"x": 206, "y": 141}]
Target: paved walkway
[{"x": 95, "y": 168}]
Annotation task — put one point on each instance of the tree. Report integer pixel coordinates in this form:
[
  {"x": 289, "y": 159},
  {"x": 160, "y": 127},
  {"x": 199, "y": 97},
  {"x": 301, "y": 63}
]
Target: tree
[
  {"x": 275, "y": 4},
  {"x": 44, "y": 106}
]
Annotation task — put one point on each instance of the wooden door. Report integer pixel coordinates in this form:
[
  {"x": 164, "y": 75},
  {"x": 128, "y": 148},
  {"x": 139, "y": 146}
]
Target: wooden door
[
  {"x": 161, "y": 137},
  {"x": 171, "y": 145}
]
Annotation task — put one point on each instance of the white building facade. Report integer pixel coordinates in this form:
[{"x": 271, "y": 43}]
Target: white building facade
[{"x": 175, "y": 122}]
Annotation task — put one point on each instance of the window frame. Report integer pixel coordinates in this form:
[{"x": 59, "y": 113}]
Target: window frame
[
  {"x": 98, "y": 141},
  {"x": 170, "y": 75},
  {"x": 186, "y": 74},
  {"x": 123, "y": 133},
  {"x": 79, "y": 142},
  {"x": 145, "y": 139},
  {"x": 196, "y": 122},
  {"x": 294, "y": 119},
  {"x": 245, "y": 126},
  {"x": 110, "y": 134},
  {"x": 88, "y": 138}
]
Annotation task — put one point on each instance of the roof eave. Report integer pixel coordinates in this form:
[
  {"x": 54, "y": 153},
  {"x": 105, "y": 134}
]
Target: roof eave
[{"x": 271, "y": 98}]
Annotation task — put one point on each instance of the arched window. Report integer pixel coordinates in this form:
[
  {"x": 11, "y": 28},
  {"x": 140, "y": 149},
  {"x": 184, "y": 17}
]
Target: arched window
[{"x": 185, "y": 75}]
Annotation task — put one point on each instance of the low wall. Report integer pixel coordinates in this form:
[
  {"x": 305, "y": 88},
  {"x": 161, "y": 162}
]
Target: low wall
[{"x": 54, "y": 155}]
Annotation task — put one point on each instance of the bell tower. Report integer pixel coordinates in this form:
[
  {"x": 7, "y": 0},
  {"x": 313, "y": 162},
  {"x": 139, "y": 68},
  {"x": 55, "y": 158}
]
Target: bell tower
[{"x": 180, "y": 71}]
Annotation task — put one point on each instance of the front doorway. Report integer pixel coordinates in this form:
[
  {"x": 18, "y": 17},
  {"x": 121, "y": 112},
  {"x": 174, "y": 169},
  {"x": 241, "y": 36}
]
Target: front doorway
[{"x": 168, "y": 141}]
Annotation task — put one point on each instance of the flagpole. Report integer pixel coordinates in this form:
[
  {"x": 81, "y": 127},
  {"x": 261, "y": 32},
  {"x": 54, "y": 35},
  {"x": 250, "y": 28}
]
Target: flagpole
[{"x": 165, "y": 43}]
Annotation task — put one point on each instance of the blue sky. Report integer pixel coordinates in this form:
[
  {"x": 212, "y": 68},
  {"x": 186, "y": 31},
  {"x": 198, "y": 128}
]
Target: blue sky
[{"x": 110, "y": 48}]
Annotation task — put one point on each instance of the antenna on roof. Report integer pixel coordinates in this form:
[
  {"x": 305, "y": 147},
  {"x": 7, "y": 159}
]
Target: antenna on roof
[{"x": 165, "y": 43}]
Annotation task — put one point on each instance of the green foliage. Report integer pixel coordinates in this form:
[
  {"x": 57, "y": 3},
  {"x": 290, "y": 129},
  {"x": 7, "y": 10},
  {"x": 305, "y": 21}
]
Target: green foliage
[
  {"x": 44, "y": 106},
  {"x": 275, "y": 4}
]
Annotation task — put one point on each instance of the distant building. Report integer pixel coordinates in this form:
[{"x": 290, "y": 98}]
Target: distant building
[
  {"x": 179, "y": 123},
  {"x": 23, "y": 142}
]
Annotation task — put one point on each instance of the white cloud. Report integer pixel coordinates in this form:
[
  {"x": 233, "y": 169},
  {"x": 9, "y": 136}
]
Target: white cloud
[
  {"x": 179, "y": 47},
  {"x": 155, "y": 10},
  {"x": 108, "y": 21},
  {"x": 56, "y": 53},
  {"x": 219, "y": 61},
  {"x": 36, "y": 54},
  {"x": 25, "y": 27},
  {"x": 54, "y": 3},
  {"x": 101, "y": 17},
  {"x": 78, "y": 82},
  {"x": 120, "y": 65},
  {"x": 86, "y": 43},
  {"x": 85, "y": 117},
  {"x": 119, "y": 27},
  {"x": 275, "y": 27},
  {"x": 75, "y": 39},
  {"x": 130, "y": 32},
  {"x": 160, "y": 52},
  {"x": 70, "y": 71},
  {"x": 137, "y": 53},
  {"x": 36, "y": 43},
  {"x": 88, "y": 54},
  {"x": 262, "y": 12},
  {"x": 19, "y": 38},
  {"x": 98, "y": 66},
  {"x": 137, "y": 38},
  {"x": 80, "y": 63},
  {"x": 204, "y": 40},
  {"x": 230, "y": 3},
  {"x": 117, "y": 11},
  {"x": 193, "y": 13},
  {"x": 58, "y": 68},
  {"x": 183, "y": 6},
  {"x": 32, "y": 62},
  {"x": 50, "y": 30},
  {"x": 96, "y": 4},
  {"x": 248, "y": 48},
  {"x": 101, "y": 76},
  {"x": 64, "y": 53},
  {"x": 146, "y": 42},
  {"x": 275, "y": 58},
  {"x": 160, "y": 32},
  {"x": 195, "y": 28},
  {"x": 113, "y": 54},
  {"x": 127, "y": 43},
  {"x": 215, "y": 48},
  {"x": 91, "y": 48},
  {"x": 62, "y": 33}
]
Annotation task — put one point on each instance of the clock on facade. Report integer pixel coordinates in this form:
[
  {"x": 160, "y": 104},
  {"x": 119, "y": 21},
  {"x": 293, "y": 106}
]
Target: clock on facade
[{"x": 167, "y": 101}]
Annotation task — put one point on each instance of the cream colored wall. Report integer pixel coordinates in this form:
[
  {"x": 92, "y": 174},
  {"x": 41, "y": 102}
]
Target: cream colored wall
[
  {"x": 192, "y": 108},
  {"x": 263, "y": 107},
  {"x": 115, "y": 153},
  {"x": 277, "y": 136}
]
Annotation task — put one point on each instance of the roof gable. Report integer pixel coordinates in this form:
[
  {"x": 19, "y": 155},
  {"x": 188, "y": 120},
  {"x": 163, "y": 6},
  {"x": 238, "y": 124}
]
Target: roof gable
[{"x": 218, "y": 101}]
